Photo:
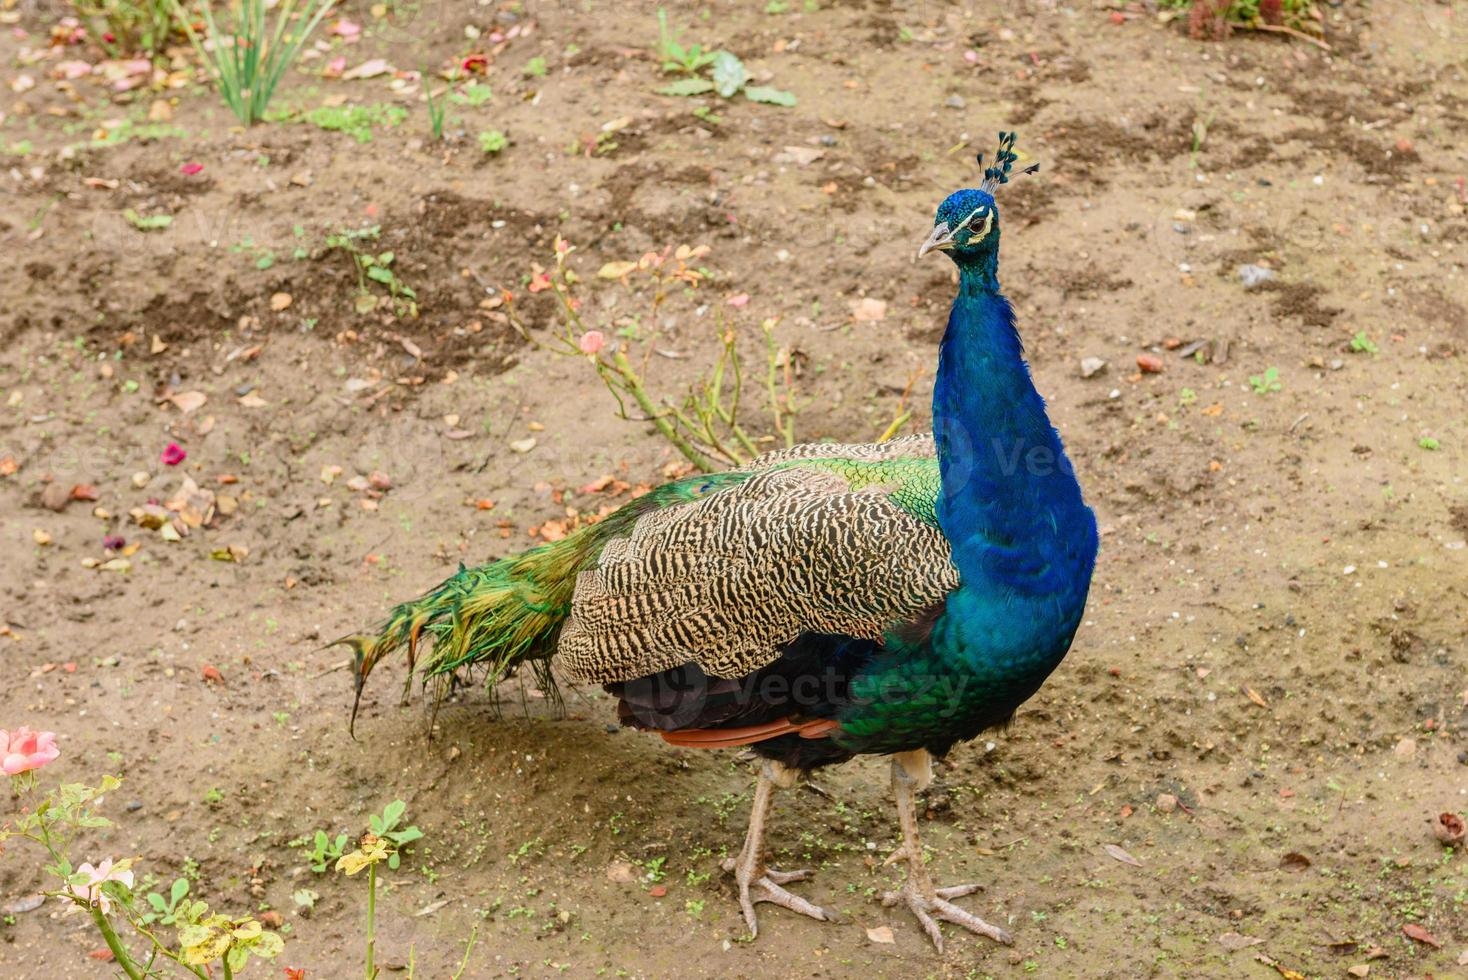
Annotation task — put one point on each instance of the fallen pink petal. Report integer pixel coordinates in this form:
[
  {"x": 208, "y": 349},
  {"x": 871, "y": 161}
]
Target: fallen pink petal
[
  {"x": 173, "y": 454},
  {"x": 191, "y": 168}
]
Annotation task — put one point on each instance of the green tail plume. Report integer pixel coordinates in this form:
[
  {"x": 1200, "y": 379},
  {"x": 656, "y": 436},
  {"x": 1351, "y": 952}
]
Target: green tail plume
[
  {"x": 498, "y": 615},
  {"x": 509, "y": 612}
]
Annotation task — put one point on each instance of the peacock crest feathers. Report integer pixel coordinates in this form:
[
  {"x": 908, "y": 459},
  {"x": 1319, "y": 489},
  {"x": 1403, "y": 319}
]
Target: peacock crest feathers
[{"x": 1004, "y": 159}]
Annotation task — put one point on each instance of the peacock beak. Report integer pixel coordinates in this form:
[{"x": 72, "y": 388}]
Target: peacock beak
[{"x": 939, "y": 241}]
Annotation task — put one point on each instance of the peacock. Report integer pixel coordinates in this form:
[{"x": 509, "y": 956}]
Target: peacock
[{"x": 821, "y": 602}]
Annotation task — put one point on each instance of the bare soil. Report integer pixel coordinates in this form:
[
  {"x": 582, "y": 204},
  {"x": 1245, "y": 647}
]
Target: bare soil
[{"x": 1265, "y": 707}]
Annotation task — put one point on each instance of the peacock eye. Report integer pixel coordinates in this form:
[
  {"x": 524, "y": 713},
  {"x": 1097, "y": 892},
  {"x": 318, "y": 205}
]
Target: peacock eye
[{"x": 977, "y": 223}]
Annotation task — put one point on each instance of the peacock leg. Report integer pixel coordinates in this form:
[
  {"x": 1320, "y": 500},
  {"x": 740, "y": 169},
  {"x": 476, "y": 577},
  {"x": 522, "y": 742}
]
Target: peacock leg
[
  {"x": 911, "y": 774},
  {"x": 758, "y": 883}
]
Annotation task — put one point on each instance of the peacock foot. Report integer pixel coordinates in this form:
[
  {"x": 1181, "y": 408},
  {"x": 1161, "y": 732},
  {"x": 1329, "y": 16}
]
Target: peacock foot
[
  {"x": 930, "y": 904},
  {"x": 911, "y": 773},
  {"x": 759, "y": 884}
]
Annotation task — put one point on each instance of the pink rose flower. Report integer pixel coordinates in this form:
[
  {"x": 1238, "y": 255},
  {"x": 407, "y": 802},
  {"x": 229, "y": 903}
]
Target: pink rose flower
[
  {"x": 173, "y": 454},
  {"x": 592, "y": 341},
  {"x": 25, "y": 750},
  {"x": 90, "y": 891}
]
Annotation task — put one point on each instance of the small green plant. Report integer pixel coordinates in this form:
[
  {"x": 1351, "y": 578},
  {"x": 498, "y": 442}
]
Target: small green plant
[
  {"x": 727, "y": 74},
  {"x": 325, "y": 850},
  {"x": 535, "y": 67},
  {"x": 165, "y": 911},
  {"x": 1429, "y": 443},
  {"x": 376, "y": 268},
  {"x": 357, "y": 121},
  {"x": 381, "y": 844},
  {"x": 673, "y": 56},
  {"x": 147, "y": 222},
  {"x": 213, "y": 796},
  {"x": 493, "y": 141},
  {"x": 1265, "y": 383},
  {"x": 436, "y": 108},
  {"x": 1362, "y": 344},
  {"x": 474, "y": 95},
  {"x": 385, "y": 825},
  {"x": 248, "y": 57}
]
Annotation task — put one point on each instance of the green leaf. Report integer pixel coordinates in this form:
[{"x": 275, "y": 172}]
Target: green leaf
[
  {"x": 269, "y": 946},
  {"x": 147, "y": 223},
  {"x": 687, "y": 86},
  {"x": 769, "y": 96},
  {"x": 378, "y": 274},
  {"x": 729, "y": 74},
  {"x": 474, "y": 94}
]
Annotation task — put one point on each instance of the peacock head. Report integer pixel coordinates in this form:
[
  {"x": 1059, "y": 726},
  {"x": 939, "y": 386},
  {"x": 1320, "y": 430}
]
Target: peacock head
[{"x": 967, "y": 223}]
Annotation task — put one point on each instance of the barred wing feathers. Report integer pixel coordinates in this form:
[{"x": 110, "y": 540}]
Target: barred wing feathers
[{"x": 831, "y": 539}]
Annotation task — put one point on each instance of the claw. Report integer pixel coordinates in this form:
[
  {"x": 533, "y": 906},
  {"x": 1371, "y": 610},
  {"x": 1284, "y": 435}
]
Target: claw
[
  {"x": 931, "y": 907},
  {"x": 756, "y": 885}
]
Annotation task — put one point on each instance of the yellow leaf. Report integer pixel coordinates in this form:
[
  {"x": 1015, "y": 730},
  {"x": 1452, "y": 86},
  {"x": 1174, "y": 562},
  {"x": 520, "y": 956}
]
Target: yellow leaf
[
  {"x": 351, "y": 863},
  {"x": 615, "y": 270}
]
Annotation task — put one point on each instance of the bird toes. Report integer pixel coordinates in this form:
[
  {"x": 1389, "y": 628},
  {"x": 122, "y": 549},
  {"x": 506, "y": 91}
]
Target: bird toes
[
  {"x": 949, "y": 912},
  {"x": 785, "y": 877}
]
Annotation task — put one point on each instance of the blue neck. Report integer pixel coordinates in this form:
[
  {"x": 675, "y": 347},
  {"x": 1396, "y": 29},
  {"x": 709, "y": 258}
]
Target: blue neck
[{"x": 1010, "y": 496}]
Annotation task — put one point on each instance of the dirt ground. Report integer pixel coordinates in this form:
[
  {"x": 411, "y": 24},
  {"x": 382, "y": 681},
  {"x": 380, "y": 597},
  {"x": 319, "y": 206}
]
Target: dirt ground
[{"x": 1238, "y": 764}]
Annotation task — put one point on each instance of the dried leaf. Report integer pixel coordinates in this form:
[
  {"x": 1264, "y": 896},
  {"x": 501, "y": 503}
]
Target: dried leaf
[
  {"x": 1449, "y": 828},
  {"x": 1256, "y": 697},
  {"x": 881, "y": 934},
  {"x": 368, "y": 69},
  {"x": 1413, "y": 931},
  {"x": 869, "y": 309},
  {"x": 187, "y": 401},
  {"x": 1294, "y": 861},
  {"x": 615, "y": 270},
  {"x": 1120, "y": 854},
  {"x": 1233, "y": 941}
]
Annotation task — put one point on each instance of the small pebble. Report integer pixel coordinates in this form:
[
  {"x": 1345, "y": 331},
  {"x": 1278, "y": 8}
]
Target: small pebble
[
  {"x": 1092, "y": 366},
  {"x": 1166, "y": 803},
  {"x": 1255, "y": 275}
]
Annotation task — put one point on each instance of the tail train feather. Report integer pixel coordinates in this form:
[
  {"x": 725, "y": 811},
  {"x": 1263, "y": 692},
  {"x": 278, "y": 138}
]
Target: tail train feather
[
  {"x": 509, "y": 612},
  {"x": 497, "y": 616}
]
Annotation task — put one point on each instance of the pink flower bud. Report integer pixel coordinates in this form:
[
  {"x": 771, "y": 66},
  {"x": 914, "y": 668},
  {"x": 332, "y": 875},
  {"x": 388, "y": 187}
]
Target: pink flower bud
[{"x": 592, "y": 341}]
